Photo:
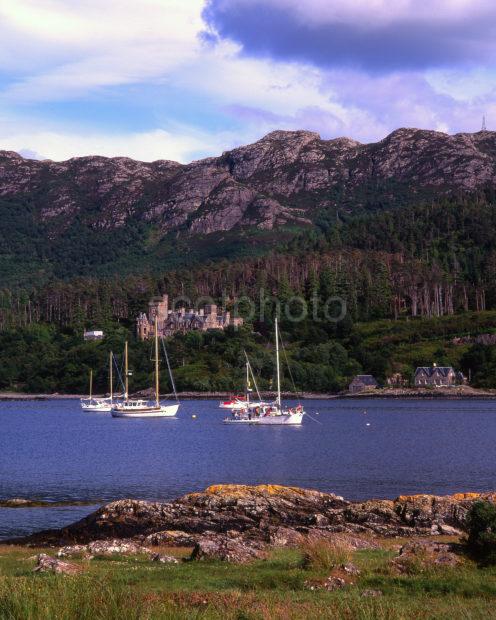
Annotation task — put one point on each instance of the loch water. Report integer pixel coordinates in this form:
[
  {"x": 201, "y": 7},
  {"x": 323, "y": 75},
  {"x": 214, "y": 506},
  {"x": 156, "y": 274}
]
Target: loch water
[{"x": 360, "y": 448}]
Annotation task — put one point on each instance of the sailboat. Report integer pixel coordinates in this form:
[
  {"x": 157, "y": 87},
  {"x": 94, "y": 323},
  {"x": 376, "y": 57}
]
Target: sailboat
[
  {"x": 100, "y": 405},
  {"x": 243, "y": 401},
  {"x": 140, "y": 408},
  {"x": 269, "y": 414}
]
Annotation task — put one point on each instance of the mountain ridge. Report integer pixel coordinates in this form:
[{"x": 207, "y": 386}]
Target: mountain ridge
[
  {"x": 256, "y": 194},
  {"x": 276, "y": 180}
]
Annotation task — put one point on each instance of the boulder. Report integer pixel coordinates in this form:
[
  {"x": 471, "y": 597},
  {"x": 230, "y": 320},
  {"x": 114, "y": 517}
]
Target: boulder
[
  {"x": 163, "y": 559},
  {"x": 331, "y": 583},
  {"x": 284, "y": 537},
  {"x": 350, "y": 569},
  {"x": 171, "y": 538},
  {"x": 418, "y": 555},
  {"x": 104, "y": 547},
  {"x": 220, "y": 547},
  {"x": 46, "y": 563}
]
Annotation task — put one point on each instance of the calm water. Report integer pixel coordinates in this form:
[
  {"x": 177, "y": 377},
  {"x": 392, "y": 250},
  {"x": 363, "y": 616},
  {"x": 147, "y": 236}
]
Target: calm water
[{"x": 360, "y": 449}]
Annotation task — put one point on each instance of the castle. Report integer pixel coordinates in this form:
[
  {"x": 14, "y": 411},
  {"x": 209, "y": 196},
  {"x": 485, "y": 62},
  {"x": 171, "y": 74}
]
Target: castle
[{"x": 181, "y": 320}]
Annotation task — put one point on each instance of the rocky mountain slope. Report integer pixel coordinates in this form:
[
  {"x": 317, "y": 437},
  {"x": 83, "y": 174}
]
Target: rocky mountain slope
[
  {"x": 102, "y": 216},
  {"x": 283, "y": 178}
]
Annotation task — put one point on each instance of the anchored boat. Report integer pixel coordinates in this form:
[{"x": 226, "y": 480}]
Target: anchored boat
[
  {"x": 262, "y": 413},
  {"x": 99, "y": 405},
  {"x": 141, "y": 408}
]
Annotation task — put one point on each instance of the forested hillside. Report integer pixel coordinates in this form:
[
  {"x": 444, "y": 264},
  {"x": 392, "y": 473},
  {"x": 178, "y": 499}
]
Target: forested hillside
[
  {"x": 419, "y": 249},
  {"x": 100, "y": 217},
  {"x": 322, "y": 357}
]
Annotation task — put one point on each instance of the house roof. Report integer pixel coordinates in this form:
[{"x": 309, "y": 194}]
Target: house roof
[
  {"x": 175, "y": 318},
  {"x": 430, "y": 370},
  {"x": 365, "y": 380}
]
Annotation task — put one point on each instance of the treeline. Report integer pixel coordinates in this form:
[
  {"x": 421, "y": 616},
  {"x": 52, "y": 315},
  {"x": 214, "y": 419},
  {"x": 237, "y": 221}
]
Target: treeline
[
  {"x": 322, "y": 356},
  {"x": 430, "y": 260},
  {"x": 46, "y": 359},
  {"x": 365, "y": 280},
  {"x": 373, "y": 284}
]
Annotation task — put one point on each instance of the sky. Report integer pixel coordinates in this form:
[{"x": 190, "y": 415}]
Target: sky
[{"x": 186, "y": 79}]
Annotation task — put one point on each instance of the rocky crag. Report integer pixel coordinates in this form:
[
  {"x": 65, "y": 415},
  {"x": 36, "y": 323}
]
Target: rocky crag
[
  {"x": 235, "y": 521},
  {"x": 287, "y": 177}
]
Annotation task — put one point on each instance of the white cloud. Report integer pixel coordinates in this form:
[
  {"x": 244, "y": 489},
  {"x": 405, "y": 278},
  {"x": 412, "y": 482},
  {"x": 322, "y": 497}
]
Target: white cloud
[
  {"x": 229, "y": 78},
  {"x": 63, "y": 46},
  {"x": 146, "y": 146},
  {"x": 59, "y": 50}
]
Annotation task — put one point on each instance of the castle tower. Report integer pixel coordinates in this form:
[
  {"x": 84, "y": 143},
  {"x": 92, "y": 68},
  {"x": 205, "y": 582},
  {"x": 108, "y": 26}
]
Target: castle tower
[
  {"x": 158, "y": 307},
  {"x": 142, "y": 326},
  {"x": 211, "y": 321}
]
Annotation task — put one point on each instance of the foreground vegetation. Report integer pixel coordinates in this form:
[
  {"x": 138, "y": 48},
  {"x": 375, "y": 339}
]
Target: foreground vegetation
[{"x": 135, "y": 588}]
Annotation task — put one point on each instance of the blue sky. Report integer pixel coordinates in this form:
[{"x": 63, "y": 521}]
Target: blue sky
[{"x": 184, "y": 79}]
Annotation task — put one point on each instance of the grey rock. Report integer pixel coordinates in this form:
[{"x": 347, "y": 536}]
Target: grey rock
[
  {"x": 104, "y": 547},
  {"x": 47, "y": 564},
  {"x": 426, "y": 553},
  {"x": 163, "y": 559},
  {"x": 350, "y": 569},
  {"x": 331, "y": 583},
  {"x": 334, "y": 583},
  {"x": 236, "y": 550}
]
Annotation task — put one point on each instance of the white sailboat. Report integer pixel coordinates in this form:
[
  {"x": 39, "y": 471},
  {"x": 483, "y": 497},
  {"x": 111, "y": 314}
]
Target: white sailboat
[
  {"x": 99, "y": 405},
  {"x": 269, "y": 414},
  {"x": 243, "y": 401},
  {"x": 140, "y": 408},
  {"x": 243, "y": 409}
]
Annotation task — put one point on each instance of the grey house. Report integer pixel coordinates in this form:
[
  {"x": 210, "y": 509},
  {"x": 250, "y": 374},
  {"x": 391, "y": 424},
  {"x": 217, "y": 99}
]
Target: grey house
[
  {"x": 437, "y": 376},
  {"x": 363, "y": 383}
]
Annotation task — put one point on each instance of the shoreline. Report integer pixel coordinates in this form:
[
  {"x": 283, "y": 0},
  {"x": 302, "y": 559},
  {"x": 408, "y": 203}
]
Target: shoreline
[{"x": 452, "y": 393}]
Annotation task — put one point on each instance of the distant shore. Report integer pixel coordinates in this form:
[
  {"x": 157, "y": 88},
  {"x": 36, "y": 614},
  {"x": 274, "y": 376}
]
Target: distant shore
[{"x": 455, "y": 392}]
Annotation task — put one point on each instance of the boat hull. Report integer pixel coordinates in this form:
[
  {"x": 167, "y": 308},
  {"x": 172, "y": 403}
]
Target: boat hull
[
  {"x": 165, "y": 411},
  {"x": 290, "y": 419},
  {"x": 96, "y": 405},
  {"x": 105, "y": 409}
]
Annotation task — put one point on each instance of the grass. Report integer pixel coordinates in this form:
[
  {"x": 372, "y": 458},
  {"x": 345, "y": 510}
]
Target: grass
[
  {"x": 413, "y": 342},
  {"x": 135, "y": 588},
  {"x": 324, "y": 555}
]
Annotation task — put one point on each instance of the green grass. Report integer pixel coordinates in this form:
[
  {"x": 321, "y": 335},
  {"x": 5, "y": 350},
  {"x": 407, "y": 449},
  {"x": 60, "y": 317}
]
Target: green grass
[
  {"x": 411, "y": 330},
  {"x": 418, "y": 342},
  {"x": 136, "y": 588}
]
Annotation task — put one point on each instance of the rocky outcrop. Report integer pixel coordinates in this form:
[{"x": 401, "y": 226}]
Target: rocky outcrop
[
  {"x": 419, "y": 555},
  {"x": 224, "y": 517},
  {"x": 229, "y": 547},
  {"x": 103, "y": 548},
  {"x": 47, "y": 564},
  {"x": 286, "y": 177}
]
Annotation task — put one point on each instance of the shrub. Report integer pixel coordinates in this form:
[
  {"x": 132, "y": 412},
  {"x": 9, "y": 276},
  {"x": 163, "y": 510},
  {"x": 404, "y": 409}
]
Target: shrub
[
  {"x": 324, "y": 555},
  {"x": 481, "y": 525}
]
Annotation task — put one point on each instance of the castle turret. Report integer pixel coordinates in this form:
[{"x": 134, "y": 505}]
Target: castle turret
[
  {"x": 158, "y": 307},
  {"x": 142, "y": 326}
]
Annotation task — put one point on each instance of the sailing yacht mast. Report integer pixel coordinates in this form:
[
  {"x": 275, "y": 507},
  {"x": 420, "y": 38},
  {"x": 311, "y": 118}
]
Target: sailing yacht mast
[
  {"x": 157, "y": 395},
  {"x": 111, "y": 376},
  {"x": 247, "y": 383},
  {"x": 126, "y": 373},
  {"x": 278, "y": 368},
  {"x": 91, "y": 384}
]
